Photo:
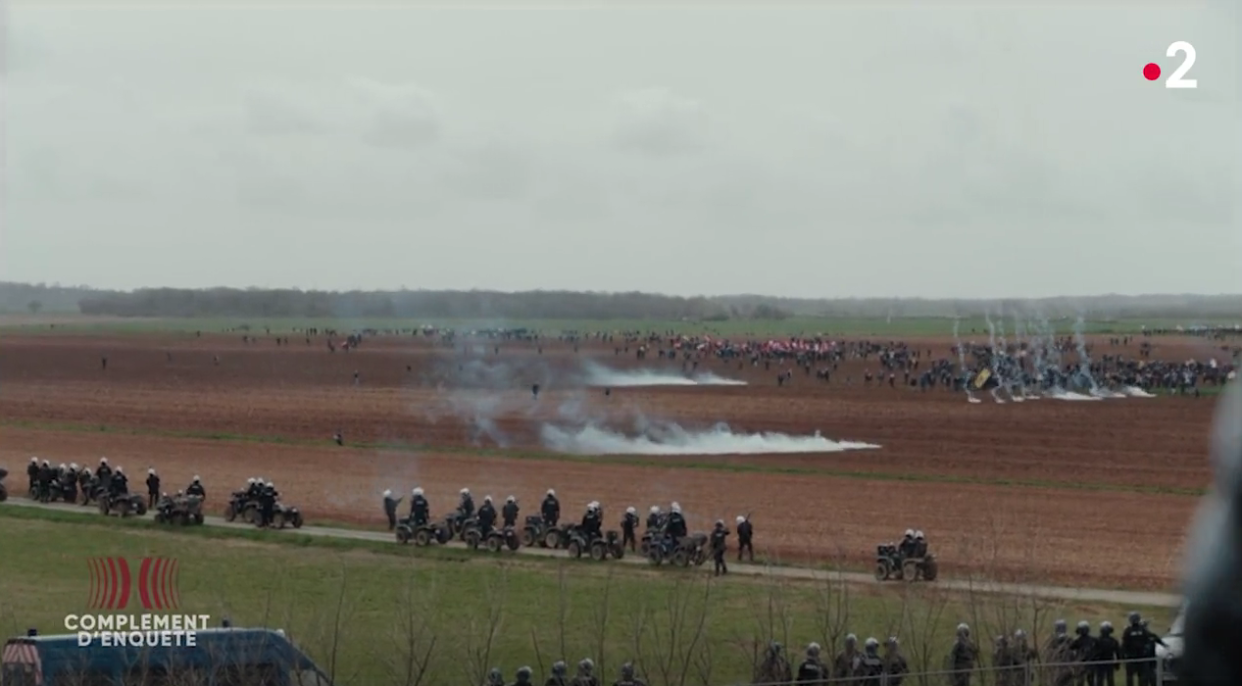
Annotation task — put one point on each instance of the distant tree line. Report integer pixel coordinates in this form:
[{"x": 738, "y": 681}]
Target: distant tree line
[{"x": 427, "y": 304}]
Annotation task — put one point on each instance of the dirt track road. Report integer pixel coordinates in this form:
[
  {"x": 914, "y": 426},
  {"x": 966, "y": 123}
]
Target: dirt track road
[{"x": 1132, "y": 598}]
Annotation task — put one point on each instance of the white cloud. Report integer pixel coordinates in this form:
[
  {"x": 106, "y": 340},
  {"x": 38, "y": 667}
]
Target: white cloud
[{"x": 658, "y": 122}]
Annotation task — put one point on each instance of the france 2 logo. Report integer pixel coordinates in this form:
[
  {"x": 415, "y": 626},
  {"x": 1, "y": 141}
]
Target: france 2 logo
[
  {"x": 1151, "y": 71},
  {"x": 112, "y": 583}
]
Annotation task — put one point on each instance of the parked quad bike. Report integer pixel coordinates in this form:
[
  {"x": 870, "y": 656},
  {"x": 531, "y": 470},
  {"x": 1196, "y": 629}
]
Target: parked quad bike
[
  {"x": 890, "y": 564},
  {"x": 4, "y": 492},
  {"x": 690, "y": 550},
  {"x": 181, "y": 510},
  {"x": 422, "y": 535},
  {"x": 285, "y": 515},
  {"x": 501, "y": 538},
  {"x": 535, "y": 533},
  {"x": 599, "y": 548},
  {"x": 241, "y": 505},
  {"x": 124, "y": 505}
]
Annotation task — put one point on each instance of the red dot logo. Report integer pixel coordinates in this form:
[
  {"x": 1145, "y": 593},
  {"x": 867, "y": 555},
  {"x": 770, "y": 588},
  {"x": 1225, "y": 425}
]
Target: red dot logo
[{"x": 1151, "y": 71}]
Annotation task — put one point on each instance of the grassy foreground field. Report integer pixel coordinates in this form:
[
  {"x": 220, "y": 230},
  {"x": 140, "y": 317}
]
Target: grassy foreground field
[
  {"x": 370, "y": 613},
  {"x": 835, "y": 326}
]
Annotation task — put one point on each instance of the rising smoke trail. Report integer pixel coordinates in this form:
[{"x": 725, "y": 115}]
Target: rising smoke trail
[
  {"x": 599, "y": 375},
  {"x": 961, "y": 362}
]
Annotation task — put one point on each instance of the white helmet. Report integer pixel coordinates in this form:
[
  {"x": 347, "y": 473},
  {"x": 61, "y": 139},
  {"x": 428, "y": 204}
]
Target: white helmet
[
  {"x": 196, "y": 478},
  {"x": 487, "y": 499},
  {"x": 62, "y": 467},
  {"x": 510, "y": 499},
  {"x": 417, "y": 491},
  {"x": 34, "y": 460},
  {"x": 676, "y": 508},
  {"x": 909, "y": 533},
  {"x": 120, "y": 470},
  {"x": 465, "y": 491},
  {"x": 552, "y": 492},
  {"x": 103, "y": 460},
  {"x": 73, "y": 466},
  {"x": 387, "y": 493},
  {"x": 740, "y": 519},
  {"x": 918, "y": 534},
  {"x": 150, "y": 470},
  {"x": 271, "y": 485},
  {"x": 47, "y": 464},
  {"x": 655, "y": 509},
  {"x": 630, "y": 510},
  {"x": 251, "y": 480}
]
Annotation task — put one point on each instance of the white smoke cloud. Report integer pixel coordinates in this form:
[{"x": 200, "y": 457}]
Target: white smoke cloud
[
  {"x": 672, "y": 439},
  {"x": 598, "y": 375}
]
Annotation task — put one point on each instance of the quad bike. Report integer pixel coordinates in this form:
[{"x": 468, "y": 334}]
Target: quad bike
[
  {"x": 470, "y": 532},
  {"x": 891, "y": 564},
  {"x": 499, "y": 539},
  {"x": 458, "y": 522},
  {"x": 285, "y": 515},
  {"x": 123, "y": 504},
  {"x": 690, "y": 550},
  {"x": 609, "y": 545},
  {"x": 424, "y": 534},
  {"x": 4, "y": 492},
  {"x": 535, "y": 532},
  {"x": 183, "y": 510},
  {"x": 240, "y": 504}
]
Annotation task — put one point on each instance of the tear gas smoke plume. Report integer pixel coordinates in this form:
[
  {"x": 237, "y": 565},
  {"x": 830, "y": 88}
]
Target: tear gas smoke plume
[
  {"x": 672, "y": 439},
  {"x": 599, "y": 375}
]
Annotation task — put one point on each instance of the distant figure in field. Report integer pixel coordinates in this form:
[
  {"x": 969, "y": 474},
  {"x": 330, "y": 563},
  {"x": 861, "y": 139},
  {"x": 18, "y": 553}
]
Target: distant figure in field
[
  {"x": 103, "y": 363},
  {"x": 338, "y": 437}
]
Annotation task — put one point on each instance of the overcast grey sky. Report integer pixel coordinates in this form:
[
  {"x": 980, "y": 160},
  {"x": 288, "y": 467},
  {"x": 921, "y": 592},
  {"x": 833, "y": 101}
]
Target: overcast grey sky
[{"x": 931, "y": 151}]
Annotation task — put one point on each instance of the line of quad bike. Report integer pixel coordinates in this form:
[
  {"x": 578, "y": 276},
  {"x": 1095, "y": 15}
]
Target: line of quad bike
[{"x": 1130, "y": 598}]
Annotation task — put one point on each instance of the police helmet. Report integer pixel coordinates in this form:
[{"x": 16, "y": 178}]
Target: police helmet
[
  {"x": 34, "y": 460},
  {"x": 487, "y": 499},
  {"x": 740, "y": 519},
  {"x": 73, "y": 466},
  {"x": 103, "y": 460},
  {"x": 655, "y": 509},
  {"x": 1106, "y": 627},
  {"x": 892, "y": 641},
  {"x": 851, "y": 639},
  {"x": 387, "y": 493},
  {"x": 1084, "y": 627},
  {"x": 963, "y": 629},
  {"x": 196, "y": 479},
  {"x": 150, "y": 470},
  {"x": 417, "y": 491},
  {"x": 1059, "y": 626},
  {"x": 872, "y": 644},
  {"x": 909, "y": 533},
  {"x": 465, "y": 491},
  {"x": 1135, "y": 618},
  {"x": 120, "y": 470},
  {"x": 918, "y": 535},
  {"x": 627, "y": 671},
  {"x": 558, "y": 667},
  {"x": 586, "y": 665},
  {"x": 812, "y": 650},
  {"x": 552, "y": 492},
  {"x": 524, "y": 673}
]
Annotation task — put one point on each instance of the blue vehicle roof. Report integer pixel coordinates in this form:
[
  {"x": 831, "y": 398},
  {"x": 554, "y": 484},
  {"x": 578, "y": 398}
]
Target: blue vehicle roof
[{"x": 213, "y": 647}]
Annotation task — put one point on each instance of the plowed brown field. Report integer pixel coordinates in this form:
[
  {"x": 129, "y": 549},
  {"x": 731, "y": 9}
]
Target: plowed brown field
[{"x": 1088, "y": 493}]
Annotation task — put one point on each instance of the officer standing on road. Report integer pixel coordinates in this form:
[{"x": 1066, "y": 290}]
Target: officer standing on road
[
  {"x": 510, "y": 512},
  {"x": 104, "y": 473},
  {"x": 390, "y": 509},
  {"x": 1134, "y": 643},
  {"x": 745, "y": 534},
  {"x": 267, "y": 504},
  {"x": 46, "y": 475},
  {"x": 523, "y": 677},
  {"x": 551, "y": 508},
  {"x": 676, "y": 525},
  {"x": 720, "y": 543},
  {"x": 153, "y": 487},
  {"x": 32, "y": 474},
  {"x": 420, "y": 509},
  {"x": 812, "y": 670},
  {"x": 1083, "y": 649},
  {"x": 963, "y": 656},
  {"x": 1107, "y": 650},
  {"x": 629, "y": 524},
  {"x": 558, "y": 675},
  {"x": 627, "y": 677}
]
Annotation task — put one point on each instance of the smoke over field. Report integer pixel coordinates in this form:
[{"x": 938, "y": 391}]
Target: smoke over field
[
  {"x": 599, "y": 375},
  {"x": 672, "y": 439}
]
